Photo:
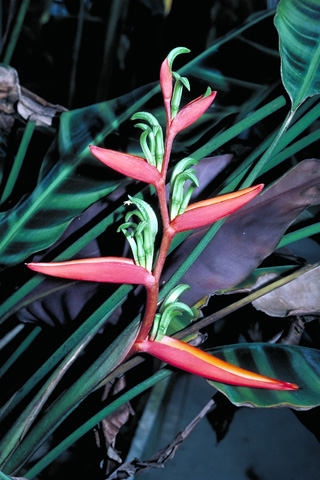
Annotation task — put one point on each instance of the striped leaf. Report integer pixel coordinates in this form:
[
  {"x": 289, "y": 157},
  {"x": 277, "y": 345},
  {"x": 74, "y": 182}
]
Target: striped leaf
[
  {"x": 70, "y": 180},
  {"x": 298, "y": 25},
  {"x": 299, "y": 365}
]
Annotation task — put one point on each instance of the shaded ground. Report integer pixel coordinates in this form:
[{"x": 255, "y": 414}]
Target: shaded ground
[{"x": 261, "y": 444}]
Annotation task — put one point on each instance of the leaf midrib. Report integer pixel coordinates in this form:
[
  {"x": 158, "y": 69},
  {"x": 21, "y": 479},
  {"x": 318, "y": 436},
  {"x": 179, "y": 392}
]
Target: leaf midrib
[{"x": 308, "y": 78}]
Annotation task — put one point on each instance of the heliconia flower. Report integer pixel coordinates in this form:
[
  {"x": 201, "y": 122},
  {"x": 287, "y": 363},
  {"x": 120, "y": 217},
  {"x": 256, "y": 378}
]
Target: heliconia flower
[
  {"x": 191, "y": 359},
  {"x": 108, "y": 269},
  {"x": 130, "y": 165},
  {"x": 208, "y": 211},
  {"x": 191, "y": 112}
]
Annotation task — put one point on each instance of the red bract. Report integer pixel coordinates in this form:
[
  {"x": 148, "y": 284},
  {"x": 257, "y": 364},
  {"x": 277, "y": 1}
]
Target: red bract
[
  {"x": 208, "y": 211},
  {"x": 194, "y": 360},
  {"x": 109, "y": 269},
  {"x": 191, "y": 112},
  {"x": 166, "y": 85},
  {"x": 130, "y": 165}
]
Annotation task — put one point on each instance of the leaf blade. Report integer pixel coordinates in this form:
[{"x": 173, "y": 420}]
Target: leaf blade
[
  {"x": 298, "y": 25},
  {"x": 300, "y": 364}
]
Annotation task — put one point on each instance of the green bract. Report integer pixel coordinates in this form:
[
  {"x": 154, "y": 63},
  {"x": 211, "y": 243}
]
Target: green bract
[
  {"x": 151, "y": 139},
  {"x": 180, "y": 82},
  {"x": 179, "y": 198},
  {"x": 174, "y": 53},
  {"x": 141, "y": 236},
  {"x": 169, "y": 310}
]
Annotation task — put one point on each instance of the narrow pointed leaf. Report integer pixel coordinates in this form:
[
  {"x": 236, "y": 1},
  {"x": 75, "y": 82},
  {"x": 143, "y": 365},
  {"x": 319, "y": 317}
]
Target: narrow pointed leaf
[
  {"x": 77, "y": 392},
  {"x": 109, "y": 269},
  {"x": 208, "y": 211},
  {"x": 193, "y": 360},
  {"x": 298, "y": 25}
]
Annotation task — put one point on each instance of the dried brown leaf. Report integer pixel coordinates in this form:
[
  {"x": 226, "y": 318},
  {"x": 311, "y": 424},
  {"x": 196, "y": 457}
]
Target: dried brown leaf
[
  {"x": 299, "y": 297},
  {"x": 159, "y": 459}
]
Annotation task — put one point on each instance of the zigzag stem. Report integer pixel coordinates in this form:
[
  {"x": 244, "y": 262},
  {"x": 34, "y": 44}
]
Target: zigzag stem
[{"x": 167, "y": 236}]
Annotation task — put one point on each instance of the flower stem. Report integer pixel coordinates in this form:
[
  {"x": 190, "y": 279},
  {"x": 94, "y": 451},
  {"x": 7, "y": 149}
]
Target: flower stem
[
  {"x": 146, "y": 324},
  {"x": 153, "y": 292}
]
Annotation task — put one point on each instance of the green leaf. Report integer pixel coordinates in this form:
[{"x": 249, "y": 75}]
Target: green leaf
[
  {"x": 298, "y": 25},
  {"x": 70, "y": 180},
  {"x": 299, "y": 365},
  {"x": 73, "y": 396}
]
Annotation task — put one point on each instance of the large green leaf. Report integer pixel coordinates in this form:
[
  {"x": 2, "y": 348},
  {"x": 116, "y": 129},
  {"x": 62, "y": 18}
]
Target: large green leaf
[
  {"x": 298, "y": 25},
  {"x": 295, "y": 364},
  {"x": 70, "y": 179}
]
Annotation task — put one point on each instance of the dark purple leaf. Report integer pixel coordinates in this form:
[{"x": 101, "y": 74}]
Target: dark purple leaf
[{"x": 248, "y": 236}]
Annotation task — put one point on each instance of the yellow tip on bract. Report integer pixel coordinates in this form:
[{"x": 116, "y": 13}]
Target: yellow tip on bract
[{"x": 191, "y": 359}]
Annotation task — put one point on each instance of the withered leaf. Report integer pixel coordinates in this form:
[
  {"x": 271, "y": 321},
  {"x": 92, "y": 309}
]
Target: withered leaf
[
  {"x": 299, "y": 297},
  {"x": 159, "y": 459}
]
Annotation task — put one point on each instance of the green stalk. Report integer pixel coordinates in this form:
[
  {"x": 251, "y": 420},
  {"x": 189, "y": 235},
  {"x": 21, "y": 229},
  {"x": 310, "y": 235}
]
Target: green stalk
[
  {"x": 304, "y": 119},
  {"x": 304, "y": 232},
  {"x": 3, "y": 476},
  {"x": 94, "y": 420},
  {"x": 16, "y": 32},
  {"x": 239, "y": 127},
  {"x": 75, "y": 53},
  {"x": 89, "y": 327},
  {"x": 269, "y": 152},
  {"x": 72, "y": 397},
  {"x": 14, "y": 436},
  {"x": 292, "y": 150},
  {"x": 18, "y": 161},
  {"x": 226, "y": 38},
  {"x": 21, "y": 348},
  {"x": 110, "y": 43}
]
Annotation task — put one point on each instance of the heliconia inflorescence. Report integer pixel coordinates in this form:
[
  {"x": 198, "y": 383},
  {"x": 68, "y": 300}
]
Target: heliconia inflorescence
[{"x": 141, "y": 227}]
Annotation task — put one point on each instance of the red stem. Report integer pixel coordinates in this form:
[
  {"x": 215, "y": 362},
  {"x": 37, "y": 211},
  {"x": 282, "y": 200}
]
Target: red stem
[
  {"x": 153, "y": 292},
  {"x": 167, "y": 152}
]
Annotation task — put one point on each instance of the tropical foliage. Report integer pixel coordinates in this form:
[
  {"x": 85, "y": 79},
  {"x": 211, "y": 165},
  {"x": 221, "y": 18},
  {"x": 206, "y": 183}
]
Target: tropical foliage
[{"x": 78, "y": 190}]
